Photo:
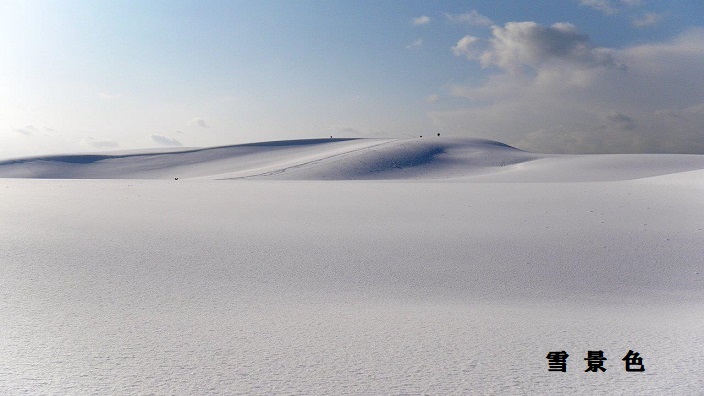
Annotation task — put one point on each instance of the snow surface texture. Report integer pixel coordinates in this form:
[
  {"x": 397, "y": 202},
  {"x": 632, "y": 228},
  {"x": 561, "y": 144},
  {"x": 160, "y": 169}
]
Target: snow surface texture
[{"x": 459, "y": 282}]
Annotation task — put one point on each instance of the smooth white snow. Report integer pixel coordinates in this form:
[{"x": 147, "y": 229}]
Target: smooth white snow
[
  {"x": 458, "y": 277},
  {"x": 433, "y": 158}
]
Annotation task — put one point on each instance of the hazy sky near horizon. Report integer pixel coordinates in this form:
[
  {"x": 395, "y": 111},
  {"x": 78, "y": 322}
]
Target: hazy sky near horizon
[{"x": 563, "y": 76}]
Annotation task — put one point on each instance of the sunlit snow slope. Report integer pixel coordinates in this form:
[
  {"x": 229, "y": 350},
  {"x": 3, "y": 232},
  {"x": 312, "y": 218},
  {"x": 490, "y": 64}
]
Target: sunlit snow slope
[
  {"x": 352, "y": 159},
  {"x": 340, "y": 159}
]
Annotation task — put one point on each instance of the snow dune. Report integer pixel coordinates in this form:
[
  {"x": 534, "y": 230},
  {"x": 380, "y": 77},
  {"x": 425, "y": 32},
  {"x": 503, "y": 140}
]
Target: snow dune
[
  {"x": 457, "y": 277},
  {"x": 338, "y": 159},
  {"x": 352, "y": 159}
]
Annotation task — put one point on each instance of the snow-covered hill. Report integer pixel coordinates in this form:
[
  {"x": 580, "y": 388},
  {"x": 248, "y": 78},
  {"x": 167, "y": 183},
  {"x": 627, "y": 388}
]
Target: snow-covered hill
[
  {"x": 454, "y": 270},
  {"x": 352, "y": 159}
]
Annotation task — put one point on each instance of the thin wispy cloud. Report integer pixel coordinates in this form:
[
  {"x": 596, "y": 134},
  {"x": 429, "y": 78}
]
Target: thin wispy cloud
[
  {"x": 343, "y": 130},
  {"x": 473, "y": 18},
  {"x": 199, "y": 122},
  {"x": 27, "y": 130},
  {"x": 609, "y": 7},
  {"x": 165, "y": 141},
  {"x": 416, "y": 44},
  {"x": 604, "y": 6},
  {"x": 647, "y": 20},
  {"x": 100, "y": 143},
  {"x": 421, "y": 20}
]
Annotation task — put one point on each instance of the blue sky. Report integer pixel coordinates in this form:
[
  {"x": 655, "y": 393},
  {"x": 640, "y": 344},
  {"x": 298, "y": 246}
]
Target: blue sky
[{"x": 567, "y": 76}]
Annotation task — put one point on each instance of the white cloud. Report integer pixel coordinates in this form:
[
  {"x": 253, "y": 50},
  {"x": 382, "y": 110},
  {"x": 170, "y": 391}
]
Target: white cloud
[
  {"x": 604, "y": 6},
  {"x": 473, "y": 18},
  {"x": 609, "y": 7},
  {"x": 520, "y": 44},
  {"x": 199, "y": 122},
  {"x": 421, "y": 20},
  {"x": 165, "y": 141},
  {"x": 416, "y": 44},
  {"x": 655, "y": 104},
  {"x": 647, "y": 20},
  {"x": 464, "y": 47}
]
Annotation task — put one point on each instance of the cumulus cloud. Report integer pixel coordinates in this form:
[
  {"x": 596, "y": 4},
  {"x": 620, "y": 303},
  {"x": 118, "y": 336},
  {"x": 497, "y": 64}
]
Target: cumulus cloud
[
  {"x": 655, "y": 104},
  {"x": 520, "y": 44},
  {"x": 416, "y": 44},
  {"x": 421, "y": 20},
  {"x": 473, "y": 18},
  {"x": 165, "y": 141},
  {"x": 647, "y": 20},
  {"x": 464, "y": 47},
  {"x": 100, "y": 143},
  {"x": 199, "y": 122}
]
